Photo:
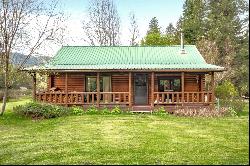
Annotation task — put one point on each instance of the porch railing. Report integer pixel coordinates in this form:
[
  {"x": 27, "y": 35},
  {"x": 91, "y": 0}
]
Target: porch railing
[
  {"x": 176, "y": 97},
  {"x": 109, "y": 98},
  {"x": 83, "y": 98}
]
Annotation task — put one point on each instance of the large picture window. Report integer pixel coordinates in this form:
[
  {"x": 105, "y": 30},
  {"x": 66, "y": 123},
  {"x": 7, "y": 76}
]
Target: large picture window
[
  {"x": 105, "y": 84},
  {"x": 168, "y": 84}
]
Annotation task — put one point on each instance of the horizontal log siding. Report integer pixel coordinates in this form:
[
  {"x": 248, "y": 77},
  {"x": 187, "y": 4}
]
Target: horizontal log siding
[
  {"x": 120, "y": 83},
  {"x": 191, "y": 84},
  {"x": 76, "y": 82},
  {"x": 203, "y": 83},
  {"x": 59, "y": 81}
]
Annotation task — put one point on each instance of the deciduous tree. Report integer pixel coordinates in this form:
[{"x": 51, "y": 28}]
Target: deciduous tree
[
  {"x": 134, "y": 31},
  {"x": 24, "y": 25},
  {"x": 102, "y": 26}
]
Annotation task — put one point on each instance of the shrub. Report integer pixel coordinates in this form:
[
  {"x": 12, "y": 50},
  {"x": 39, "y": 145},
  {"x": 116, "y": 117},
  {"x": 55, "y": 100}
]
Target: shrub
[
  {"x": 116, "y": 110},
  {"x": 105, "y": 111},
  {"x": 92, "y": 110},
  {"x": 41, "y": 110},
  {"x": 160, "y": 111},
  {"x": 226, "y": 90},
  {"x": 77, "y": 110},
  {"x": 229, "y": 98}
]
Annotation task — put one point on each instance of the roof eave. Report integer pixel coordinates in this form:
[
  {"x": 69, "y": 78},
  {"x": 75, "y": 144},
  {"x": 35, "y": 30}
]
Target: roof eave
[{"x": 124, "y": 70}]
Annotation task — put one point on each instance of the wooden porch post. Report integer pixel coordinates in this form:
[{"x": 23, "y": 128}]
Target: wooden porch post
[
  {"x": 34, "y": 86},
  {"x": 66, "y": 89},
  {"x": 212, "y": 89},
  {"x": 182, "y": 87},
  {"x": 201, "y": 83},
  {"x": 152, "y": 89},
  {"x": 98, "y": 88},
  {"x": 130, "y": 89}
]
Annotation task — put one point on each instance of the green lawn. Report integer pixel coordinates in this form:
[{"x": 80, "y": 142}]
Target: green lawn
[{"x": 123, "y": 139}]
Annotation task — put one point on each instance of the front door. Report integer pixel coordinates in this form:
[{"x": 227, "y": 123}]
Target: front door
[{"x": 140, "y": 89}]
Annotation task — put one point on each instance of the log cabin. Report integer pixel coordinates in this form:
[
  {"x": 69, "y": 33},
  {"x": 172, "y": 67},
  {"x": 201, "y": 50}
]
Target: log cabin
[{"x": 135, "y": 77}]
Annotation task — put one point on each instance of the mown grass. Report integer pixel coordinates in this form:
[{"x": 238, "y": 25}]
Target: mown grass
[{"x": 124, "y": 139}]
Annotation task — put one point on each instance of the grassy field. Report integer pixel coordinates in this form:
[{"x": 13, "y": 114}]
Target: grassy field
[{"x": 123, "y": 139}]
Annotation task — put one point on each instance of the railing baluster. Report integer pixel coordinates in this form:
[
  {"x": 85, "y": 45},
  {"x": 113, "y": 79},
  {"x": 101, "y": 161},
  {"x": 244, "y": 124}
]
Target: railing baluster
[
  {"x": 167, "y": 98},
  {"x": 93, "y": 98},
  {"x": 178, "y": 98},
  {"x": 157, "y": 98},
  {"x": 77, "y": 98},
  {"x": 113, "y": 98},
  {"x": 87, "y": 98},
  {"x": 198, "y": 97},
  {"x": 192, "y": 97},
  {"x": 82, "y": 97},
  {"x": 163, "y": 98},
  {"x": 54, "y": 101},
  {"x": 210, "y": 98},
  {"x": 60, "y": 98},
  {"x": 201, "y": 99},
  {"x": 50, "y": 98}
]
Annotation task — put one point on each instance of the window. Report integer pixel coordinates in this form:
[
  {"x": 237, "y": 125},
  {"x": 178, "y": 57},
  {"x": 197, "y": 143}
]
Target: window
[
  {"x": 91, "y": 84},
  {"x": 166, "y": 84},
  {"x": 105, "y": 84}
]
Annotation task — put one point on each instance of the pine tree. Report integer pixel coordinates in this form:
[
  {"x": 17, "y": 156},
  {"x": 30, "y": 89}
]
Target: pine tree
[
  {"x": 154, "y": 26},
  {"x": 224, "y": 22},
  {"x": 193, "y": 20},
  {"x": 170, "y": 30}
]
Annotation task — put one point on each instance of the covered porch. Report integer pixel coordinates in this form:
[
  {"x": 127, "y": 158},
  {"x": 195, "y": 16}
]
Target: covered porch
[{"x": 128, "y": 89}]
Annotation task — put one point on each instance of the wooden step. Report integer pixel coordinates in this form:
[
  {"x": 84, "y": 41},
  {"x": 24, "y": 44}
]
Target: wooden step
[
  {"x": 141, "y": 112},
  {"x": 142, "y": 108}
]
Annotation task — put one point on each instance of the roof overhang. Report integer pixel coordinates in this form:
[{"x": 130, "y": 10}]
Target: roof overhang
[{"x": 122, "y": 70}]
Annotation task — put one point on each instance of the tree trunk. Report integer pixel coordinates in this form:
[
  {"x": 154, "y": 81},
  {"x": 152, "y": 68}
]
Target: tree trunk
[
  {"x": 4, "y": 100},
  {"x": 5, "y": 96}
]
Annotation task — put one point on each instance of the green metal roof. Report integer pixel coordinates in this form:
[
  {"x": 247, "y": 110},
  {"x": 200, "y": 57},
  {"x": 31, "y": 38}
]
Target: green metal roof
[{"x": 128, "y": 57}]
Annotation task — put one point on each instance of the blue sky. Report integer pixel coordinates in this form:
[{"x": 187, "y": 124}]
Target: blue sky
[{"x": 166, "y": 11}]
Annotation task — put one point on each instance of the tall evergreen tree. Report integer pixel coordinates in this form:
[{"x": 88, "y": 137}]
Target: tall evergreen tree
[
  {"x": 170, "y": 30},
  {"x": 224, "y": 24},
  {"x": 154, "y": 26},
  {"x": 193, "y": 20},
  {"x": 154, "y": 36}
]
